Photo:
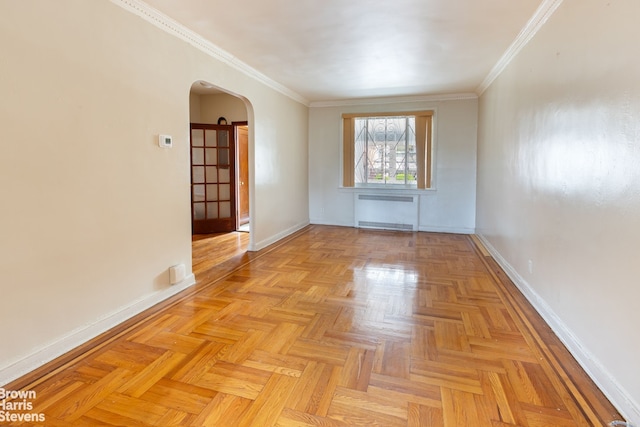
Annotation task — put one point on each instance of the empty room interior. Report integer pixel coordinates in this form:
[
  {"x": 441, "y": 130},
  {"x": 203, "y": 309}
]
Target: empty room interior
[{"x": 302, "y": 213}]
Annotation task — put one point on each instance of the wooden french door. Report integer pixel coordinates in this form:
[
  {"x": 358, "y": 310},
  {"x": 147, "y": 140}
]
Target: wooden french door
[{"x": 213, "y": 205}]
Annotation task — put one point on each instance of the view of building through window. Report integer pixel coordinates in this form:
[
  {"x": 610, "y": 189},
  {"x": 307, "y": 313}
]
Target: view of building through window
[{"x": 385, "y": 150}]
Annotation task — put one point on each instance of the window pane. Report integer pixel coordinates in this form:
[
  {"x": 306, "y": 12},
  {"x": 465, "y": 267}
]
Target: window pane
[
  {"x": 385, "y": 150},
  {"x": 197, "y": 137},
  {"x": 198, "y": 211},
  {"x": 197, "y": 156},
  {"x": 212, "y": 210},
  {"x": 210, "y": 137},
  {"x": 223, "y": 138},
  {"x": 225, "y": 176},
  {"x": 198, "y": 193},
  {"x": 223, "y": 157},
  {"x": 212, "y": 174},
  {"x": 224, "y": 192},
  {"x": 197, "y": 174},
  {"x": 225, "y": 209},
  {"x": 212, "y": 192},
  {"x": 212, "y": 156}
]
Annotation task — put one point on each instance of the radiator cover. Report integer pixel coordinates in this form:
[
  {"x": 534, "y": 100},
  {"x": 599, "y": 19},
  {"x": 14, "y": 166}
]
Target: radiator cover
[{"x": 387, "y": 212}]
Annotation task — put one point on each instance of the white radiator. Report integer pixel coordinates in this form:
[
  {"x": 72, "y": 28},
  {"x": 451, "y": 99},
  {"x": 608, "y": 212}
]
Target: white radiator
[{"x": 389, "y": 212}]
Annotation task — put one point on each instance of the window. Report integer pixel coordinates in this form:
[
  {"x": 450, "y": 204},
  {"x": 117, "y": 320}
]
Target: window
[{"x": 390, "y": 150}]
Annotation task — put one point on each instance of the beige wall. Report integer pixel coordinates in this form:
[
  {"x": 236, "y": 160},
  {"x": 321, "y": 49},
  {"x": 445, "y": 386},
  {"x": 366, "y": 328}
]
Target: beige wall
[
  {"x": 449, "y": 207},
  {"x": 230, "y": 107},
  {"x": 93, "y": 211},
  {"x": 194, "y": 108},
  {"x": 559, "y": 184}
]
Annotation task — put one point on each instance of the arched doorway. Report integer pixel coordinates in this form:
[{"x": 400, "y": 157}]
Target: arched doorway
[{"x": 220, "y": 188}]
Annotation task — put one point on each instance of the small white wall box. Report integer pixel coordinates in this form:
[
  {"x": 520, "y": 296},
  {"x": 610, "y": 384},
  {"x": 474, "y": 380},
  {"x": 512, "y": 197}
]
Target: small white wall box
[
  {"x": 177, "y": 273},
  {"x": 165, "y": 141}
]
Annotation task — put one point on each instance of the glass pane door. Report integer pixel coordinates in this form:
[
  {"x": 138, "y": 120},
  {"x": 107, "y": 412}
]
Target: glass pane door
[{"x": 212, "y": 178}]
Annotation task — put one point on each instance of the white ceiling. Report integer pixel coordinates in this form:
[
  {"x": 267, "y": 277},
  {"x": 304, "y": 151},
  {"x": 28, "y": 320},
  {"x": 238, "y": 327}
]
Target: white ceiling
[{"x": 342, "y": 49}]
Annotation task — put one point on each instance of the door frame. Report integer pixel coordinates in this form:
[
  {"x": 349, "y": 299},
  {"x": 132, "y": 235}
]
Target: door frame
[{"x": 235, "y": 125}]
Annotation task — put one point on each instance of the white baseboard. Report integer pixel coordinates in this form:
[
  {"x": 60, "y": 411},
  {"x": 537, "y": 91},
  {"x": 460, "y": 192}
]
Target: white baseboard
[
  {"x": 86, "y": 333},
  {"x": 320, "y": 221},
  {"x": 273, "y": 239},
  {"x": 452, "y": 230},
  {"x": 607, "y": 383}
]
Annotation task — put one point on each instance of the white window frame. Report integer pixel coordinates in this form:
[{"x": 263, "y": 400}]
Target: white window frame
[{"x": 424, "y": 148}]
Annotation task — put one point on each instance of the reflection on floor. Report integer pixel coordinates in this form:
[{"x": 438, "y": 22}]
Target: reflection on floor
[
  {"x": 211, "y": 250},
  {"x": 331, "y": 326}
]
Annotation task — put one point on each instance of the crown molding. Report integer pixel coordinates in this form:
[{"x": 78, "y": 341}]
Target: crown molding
[
  {"x": 539, "y": 18},
  {"x": 178, "y": 30},
  {"x": 394, "y": 100}
]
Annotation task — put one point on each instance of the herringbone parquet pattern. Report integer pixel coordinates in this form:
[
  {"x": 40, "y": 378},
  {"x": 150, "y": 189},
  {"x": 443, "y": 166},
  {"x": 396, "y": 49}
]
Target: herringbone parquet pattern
[{"x": 336, "y": 327}]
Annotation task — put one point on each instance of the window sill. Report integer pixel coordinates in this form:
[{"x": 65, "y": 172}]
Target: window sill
[{"x": 380, "y": 189}]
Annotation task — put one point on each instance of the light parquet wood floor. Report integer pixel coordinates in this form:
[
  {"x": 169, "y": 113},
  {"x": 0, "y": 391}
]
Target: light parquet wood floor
[{"x": 333, "y": 327}]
